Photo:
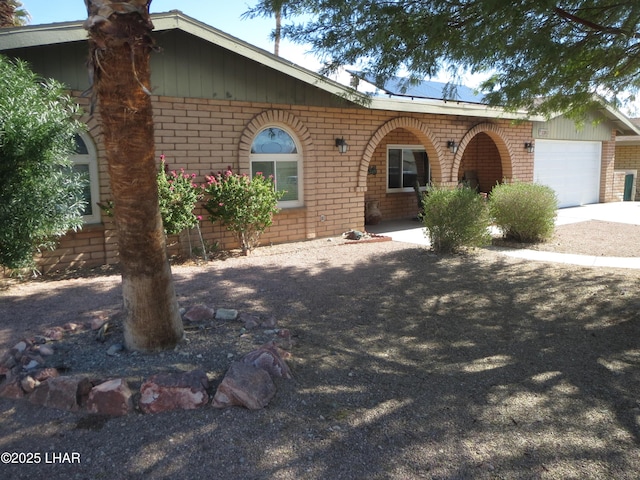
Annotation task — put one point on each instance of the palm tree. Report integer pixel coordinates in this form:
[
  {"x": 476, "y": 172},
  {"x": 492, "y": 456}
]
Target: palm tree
[
  {"x": 266, "y": 8},
  {"x": 120, "y": 44},
  {"x": 12, "y": 14}
]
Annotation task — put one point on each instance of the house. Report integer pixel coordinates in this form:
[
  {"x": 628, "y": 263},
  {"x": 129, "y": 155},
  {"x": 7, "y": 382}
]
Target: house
[
  {"x": 628, "y": 163},
  {"x": 220, "y": 102}
]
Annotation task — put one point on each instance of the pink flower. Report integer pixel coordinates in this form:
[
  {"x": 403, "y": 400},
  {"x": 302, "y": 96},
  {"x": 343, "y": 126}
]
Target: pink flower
[
  {"x": 162, "y": 157},
  {"x": 199, "y": 217},
  {"x": 221, "y": 204}
]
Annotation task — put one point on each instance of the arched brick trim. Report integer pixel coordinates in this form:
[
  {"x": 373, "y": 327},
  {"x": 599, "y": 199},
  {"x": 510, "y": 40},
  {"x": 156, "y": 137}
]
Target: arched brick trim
[
  {"x": 275, "y": 117},
  {"x": 420, "y": 130},
  {"x": 499, "y": 137}
]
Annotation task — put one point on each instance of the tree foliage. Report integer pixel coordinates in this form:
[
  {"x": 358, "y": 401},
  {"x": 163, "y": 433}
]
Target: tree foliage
[
  {"x": 40, "y": 195},
  {"x": 542, "y": 55}
]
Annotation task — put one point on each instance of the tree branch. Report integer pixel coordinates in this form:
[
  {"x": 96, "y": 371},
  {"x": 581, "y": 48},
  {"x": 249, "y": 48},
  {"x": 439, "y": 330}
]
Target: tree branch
[{"x": 594, "y": 26}]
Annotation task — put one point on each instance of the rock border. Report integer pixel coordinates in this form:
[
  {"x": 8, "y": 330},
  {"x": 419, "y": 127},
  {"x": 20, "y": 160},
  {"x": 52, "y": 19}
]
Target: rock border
[{"x": 24, "y": 374}]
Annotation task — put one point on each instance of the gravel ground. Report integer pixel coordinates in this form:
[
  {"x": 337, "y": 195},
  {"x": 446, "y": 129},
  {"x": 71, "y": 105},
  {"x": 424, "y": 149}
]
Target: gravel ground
[{"x": 406, "y": 365}]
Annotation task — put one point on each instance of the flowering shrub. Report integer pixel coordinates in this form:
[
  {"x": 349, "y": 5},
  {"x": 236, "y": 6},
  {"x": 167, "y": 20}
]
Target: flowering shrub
[
  {"x": 178, "y": 195},
  {"x": 243, "y": 205}
]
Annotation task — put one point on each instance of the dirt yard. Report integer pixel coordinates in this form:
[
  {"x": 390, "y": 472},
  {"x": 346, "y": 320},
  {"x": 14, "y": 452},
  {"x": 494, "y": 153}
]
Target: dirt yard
[{"x": 406, "y": 365}]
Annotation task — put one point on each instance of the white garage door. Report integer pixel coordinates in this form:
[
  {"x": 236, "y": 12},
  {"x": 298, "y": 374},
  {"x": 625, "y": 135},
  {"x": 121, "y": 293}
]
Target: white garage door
[{"x": 572, "y": 169}]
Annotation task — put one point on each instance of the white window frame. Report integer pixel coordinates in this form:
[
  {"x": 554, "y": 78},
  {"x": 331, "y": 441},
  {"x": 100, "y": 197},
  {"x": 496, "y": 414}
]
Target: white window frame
[
  {"x": 405, "y": 189},
  {"x": 290, "y": 157},
  {"x": 91, "y": 160}
]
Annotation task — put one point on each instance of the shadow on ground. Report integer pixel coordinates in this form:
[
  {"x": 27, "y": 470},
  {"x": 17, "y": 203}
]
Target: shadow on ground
[{"x": 407, "y": 365}]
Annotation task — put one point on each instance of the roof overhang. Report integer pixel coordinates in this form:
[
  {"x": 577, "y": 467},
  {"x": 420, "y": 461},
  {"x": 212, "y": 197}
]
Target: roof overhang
[{"x": 69, "y": 32}]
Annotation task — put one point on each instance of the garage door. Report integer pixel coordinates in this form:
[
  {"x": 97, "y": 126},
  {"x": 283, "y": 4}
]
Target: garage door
[{"x": 572, "y": 169}]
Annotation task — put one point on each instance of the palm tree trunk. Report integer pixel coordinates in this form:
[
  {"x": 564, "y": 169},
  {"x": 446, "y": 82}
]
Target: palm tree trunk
[
  {"x": 120, "y": 50},
  {"x": 278, "y": 33}
]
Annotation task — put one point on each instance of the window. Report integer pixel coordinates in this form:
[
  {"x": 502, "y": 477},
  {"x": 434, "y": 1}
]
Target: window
[
  {"x": 275, "y": 152},
  {"x": 85, "y": 161},
  {"x": 407, "y": 165}
]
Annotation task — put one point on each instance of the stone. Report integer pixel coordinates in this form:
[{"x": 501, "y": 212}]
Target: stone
[
  {"x": 269, "y": 358},
  {"x": 54, "y": 333},
  {"x": 199, "y": 313},
  {"x": 246, "y": 386},
  {"x": 249, "y": 320},
  {"x": 170, "y": 391},
  {"x": 45, "y": 374},
  {"x": 29, "y": 384},
  {"x": 20, "y": 346},
  {"x": 226, "y": 314},
  {"x": 97, "y": 323},
  {"x": 11, "y": 389},
  {"x": 45, "y": 350},
  {"x": 112, "y": 397},
  {"x": 269, "y": 322},
  {"x": 114, "y": 349},
  {"x": 71, "y": 327},
  {"x": 57, "y": 392}
]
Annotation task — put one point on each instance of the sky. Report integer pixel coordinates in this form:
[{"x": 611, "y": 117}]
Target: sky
[{"x": 222, "y": 14}]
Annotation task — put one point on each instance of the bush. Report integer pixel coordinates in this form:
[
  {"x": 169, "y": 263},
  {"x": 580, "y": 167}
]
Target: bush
[
  {"x": 243, "y": 205},
  {"x": 524, "y": 212},
  {"x": 455, "y": 218},
  {"x": 178, "y": 196},
  {"x": 41, "y": 198}
]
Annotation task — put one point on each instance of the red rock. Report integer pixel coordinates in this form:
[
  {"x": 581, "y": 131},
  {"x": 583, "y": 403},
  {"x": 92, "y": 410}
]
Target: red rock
[
  {"x": 250, "y": 321},
  {"x": 165, "y": 392},
  {"x": 45, "y": 374},
  {"x": 11, "y": 389},
  {"x": 246, "y": 386},
  {"x": 97, "y": 323},
  {"x": 112, "y": 397},
  {"x": 270, "y": 358},
  {"x": 199, "y": 313},
  {"x": 55, "y": 333},
  {"x": 57, "y": 392}
]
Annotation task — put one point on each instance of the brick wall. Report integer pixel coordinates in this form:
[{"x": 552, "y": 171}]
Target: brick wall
[{"x": 204, "y": 136}]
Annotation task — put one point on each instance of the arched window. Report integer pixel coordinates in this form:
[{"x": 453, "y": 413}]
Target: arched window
[
  {"x": 85, "y": 161},
  {"x": 275, "y": 152}
]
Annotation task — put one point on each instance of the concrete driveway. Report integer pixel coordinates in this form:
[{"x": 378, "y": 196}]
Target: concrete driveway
[{"x": 411, "y": 231}]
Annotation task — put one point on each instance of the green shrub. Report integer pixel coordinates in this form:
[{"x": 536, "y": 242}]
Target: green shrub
[
  {"x": 454, "y": 219},
  {"x": 178, "y": 195},
  {"x": 243, "y": 205},
  {"x": 524, "y": 212},
  {"x": 41, "y": 198}
]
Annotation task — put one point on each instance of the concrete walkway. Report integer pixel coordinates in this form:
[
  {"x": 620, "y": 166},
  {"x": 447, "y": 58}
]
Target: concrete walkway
[{"x": 411, "y": 231}]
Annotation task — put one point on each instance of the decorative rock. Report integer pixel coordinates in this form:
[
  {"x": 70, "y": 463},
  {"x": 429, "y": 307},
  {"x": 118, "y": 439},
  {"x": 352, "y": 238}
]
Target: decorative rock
[
  {"x": 246, "y": 386},
  {"x": 115, "y": 349},
  {"x": 226, "y": 314},
  {"x": 199, "y": 313},
  {"x": 97, "y": 323},
  {"x": 45, "y": 374},
  {"x": 20, "y": 346},
  {"x": 71, "y": 327},
  {"x": 57, "y": 392},
  {"x": 55, "y": 333},
  {"x": 32, "y": 364},
  {"x": 269, "y": 322},
  {"x": 29, "y": 384},
  {"x": 165, "y": 392},
  {"x": 45, "y": 350},
  {"x": 111, "y": 398},
  {"x": 11, "y": 389},
  {"x": 270, "y": 359},
  {"x": 250, "y": 321}
]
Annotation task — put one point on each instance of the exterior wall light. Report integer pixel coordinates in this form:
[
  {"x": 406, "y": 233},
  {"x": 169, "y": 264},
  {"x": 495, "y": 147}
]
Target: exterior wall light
[
  {"x": 453, "y": 146},
  {"x": 372, "y": 170},
  {"x": 341, "y": 145},
  {"x": 528, "y": 146}
]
